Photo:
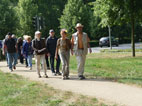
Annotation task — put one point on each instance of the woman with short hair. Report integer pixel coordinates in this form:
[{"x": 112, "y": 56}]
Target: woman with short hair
[{"x": 63, "y": 48}]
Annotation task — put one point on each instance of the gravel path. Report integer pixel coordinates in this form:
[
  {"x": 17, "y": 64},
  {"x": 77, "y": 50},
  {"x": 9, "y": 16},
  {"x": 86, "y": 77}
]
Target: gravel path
[{"x": 111, "y": 92}]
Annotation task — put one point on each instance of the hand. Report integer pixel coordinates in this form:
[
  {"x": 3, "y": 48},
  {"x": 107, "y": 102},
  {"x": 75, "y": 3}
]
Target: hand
[
  {"x": 72, "y": 52},
  {"x": 3, "y": 53},
  {"x": 56, "y": 57},
  {"x": 48, "y": 54}
]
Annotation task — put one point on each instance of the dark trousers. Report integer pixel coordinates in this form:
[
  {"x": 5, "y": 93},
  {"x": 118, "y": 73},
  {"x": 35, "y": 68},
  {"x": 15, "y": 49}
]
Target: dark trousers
[
  {"x": 58, "y": 61},
  {"x": 47, "y": 62},
  {"x": 21, "y": 57},
  {"x": 26, "y": 61}
]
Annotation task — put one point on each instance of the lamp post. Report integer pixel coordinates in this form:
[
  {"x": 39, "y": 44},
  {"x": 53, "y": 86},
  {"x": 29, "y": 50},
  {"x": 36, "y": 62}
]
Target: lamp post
[{"x": 109, "y": 30}]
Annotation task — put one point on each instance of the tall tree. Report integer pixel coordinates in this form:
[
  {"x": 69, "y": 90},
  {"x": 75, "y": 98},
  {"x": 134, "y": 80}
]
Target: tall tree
[
  {"x": 116, "y": 12},
  {"x": 75, "y": 12},
  {"x": 7, "y": 18},
  {"x": 50, "y": 10},
  {"x": 26, "y": 9}
]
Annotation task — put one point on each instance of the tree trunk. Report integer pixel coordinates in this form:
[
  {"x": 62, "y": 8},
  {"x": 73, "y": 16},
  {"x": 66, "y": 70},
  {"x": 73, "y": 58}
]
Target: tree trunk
[{"x": 132, "y": 35}]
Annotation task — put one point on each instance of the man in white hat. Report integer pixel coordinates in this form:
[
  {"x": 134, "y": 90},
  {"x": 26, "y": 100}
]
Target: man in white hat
[
  {"x": 80, "y": 45},
  {"x": 40, "y": 51}
]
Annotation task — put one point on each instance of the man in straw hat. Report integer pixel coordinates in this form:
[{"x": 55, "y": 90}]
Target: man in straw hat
[
  {"x": 80, "y": 45},
  {"x": 40, "y": 51}
]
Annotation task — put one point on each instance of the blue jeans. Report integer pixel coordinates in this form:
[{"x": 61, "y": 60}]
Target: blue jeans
[
  {"x": 29, "y": 59},
  {"x": 12, "y": 59},
  {"x": 6, "y": 57}
]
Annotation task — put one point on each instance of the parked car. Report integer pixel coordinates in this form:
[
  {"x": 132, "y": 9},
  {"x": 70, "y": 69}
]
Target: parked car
[
  {"x": 104, "y": 41},
  {"x": 0, "y": 43}
]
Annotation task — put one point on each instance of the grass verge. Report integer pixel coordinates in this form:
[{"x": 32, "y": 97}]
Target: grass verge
[
  {"x": 120, "y": 67},
  {"x": 120, "y": 50},
  {"x": 18, "y": 91}
]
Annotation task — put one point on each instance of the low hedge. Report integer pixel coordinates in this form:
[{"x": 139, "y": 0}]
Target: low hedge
[{"x": 94, "y": 43}]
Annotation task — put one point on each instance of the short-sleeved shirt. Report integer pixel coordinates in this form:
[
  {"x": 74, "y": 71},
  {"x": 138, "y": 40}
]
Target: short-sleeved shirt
[
  {"x": 64, "y": 45},
  {"x": 11, "y": 45}
]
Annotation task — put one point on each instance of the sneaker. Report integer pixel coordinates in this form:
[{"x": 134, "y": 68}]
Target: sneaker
[
  {"x": 63, "y": 78},
  {"x": 14, "y": 67},
  {"x": 54, "y": 74},
  {"x": 67, "y": 77},
  {"x": 46, "y": 76},
  {"x": 30, "y": 68},
  {"x": 58, "y": 73},
  {"x": 39, "y": 76},
  {"x": 11, "y": 70},
  {"x": 81, "y": 77}
]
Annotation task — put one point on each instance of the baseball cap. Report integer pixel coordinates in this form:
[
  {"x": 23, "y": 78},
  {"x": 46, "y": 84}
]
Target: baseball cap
[
  {"x": 9, "y": 34},
  {"x": 51, "y": 30}
]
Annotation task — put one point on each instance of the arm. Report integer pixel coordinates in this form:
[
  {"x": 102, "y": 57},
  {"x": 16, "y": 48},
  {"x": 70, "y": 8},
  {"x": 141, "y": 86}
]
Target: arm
[
  {"x": 88, "y": 40},
  {"x": 57, "y": 49},
  {"x": 33, "y": 46},
  {"x": 72, "y": 44},
  {"x": 4, "y": 47}
]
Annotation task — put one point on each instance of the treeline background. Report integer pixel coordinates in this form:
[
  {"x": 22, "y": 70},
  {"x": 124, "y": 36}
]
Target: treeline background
[{"x": 16, "y": 17}]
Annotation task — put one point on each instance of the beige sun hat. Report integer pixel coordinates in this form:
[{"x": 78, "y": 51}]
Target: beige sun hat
[{"x": 78, "y": 25}]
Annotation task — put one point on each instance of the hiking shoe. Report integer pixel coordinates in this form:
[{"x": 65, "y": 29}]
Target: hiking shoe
[
  {"x": 11, "y": 70},
  {"x": 54, "y": 74},
  {"x": 46, "y": 76},
  {"x": 63, "y": 78},
  {"x": 67, "y": 77},
  {"x": 39, "y": 76},
  {"x": 81, "y": 77},
  {"x": 14, "y": 67},
  {"x": 30, "y": 68},
  {"x": 58, "y": 73}
]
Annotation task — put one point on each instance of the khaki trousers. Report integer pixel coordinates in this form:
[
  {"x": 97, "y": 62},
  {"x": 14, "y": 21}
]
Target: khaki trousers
[
  {"x": 81, "y": 58},
  {"x": 40, "y": 59},
  {"x": 65, "y": 57}
]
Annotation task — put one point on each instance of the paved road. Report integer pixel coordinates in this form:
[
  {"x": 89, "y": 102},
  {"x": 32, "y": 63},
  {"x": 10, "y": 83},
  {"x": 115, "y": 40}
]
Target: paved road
[
  {"x": 122, "y": 46},
  {"x": 111, "y": 92}
]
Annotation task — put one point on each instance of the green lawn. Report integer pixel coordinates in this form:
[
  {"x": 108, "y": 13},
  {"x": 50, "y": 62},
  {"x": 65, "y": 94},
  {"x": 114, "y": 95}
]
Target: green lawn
[
  {"x": 119, "y": 67},
  {"x": 18, "y": 91},
  {"x": 120, "y": 50}
]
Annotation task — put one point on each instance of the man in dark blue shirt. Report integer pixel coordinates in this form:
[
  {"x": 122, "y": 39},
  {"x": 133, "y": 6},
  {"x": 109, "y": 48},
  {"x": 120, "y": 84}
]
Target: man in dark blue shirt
[{"x": 51, "y": 43}]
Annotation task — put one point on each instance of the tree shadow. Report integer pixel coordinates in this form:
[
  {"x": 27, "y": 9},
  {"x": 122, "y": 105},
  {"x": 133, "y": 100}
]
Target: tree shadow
[{"x": 104, "y": 79}]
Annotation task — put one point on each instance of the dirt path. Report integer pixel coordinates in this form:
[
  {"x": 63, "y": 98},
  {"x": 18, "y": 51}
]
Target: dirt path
[{"x": 109, "y": 91}]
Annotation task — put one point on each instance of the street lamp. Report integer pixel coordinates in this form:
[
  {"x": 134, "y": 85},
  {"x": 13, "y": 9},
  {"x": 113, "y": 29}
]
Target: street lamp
[{"x": 109, "y": 30}]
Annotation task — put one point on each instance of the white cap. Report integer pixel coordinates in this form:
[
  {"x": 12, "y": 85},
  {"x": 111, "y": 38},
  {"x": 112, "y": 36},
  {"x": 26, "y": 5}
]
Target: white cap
[{"x": 37, "y": 32}]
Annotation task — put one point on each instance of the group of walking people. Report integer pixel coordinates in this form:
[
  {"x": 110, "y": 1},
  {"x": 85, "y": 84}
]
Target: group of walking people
[{"x": 57, "y": 49}]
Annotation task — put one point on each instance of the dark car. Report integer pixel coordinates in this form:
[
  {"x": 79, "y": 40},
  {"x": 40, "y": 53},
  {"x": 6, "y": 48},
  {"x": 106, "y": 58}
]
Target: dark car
[
  {"x": 0, "y": 43},
  {"x": 104, "y": 41}
]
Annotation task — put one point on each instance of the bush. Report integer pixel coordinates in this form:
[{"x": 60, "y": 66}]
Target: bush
[{"x": 94, "y": 43}]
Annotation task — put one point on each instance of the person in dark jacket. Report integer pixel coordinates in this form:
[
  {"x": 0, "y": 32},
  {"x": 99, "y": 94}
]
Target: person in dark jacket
[
  {"x": 19, "y": 46},
  {"x": 11, "y": 46},
  {"x": 40, "y": 51},
  {"x": 24, "y": 41},
  {"x": 51, "y": 43}
]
